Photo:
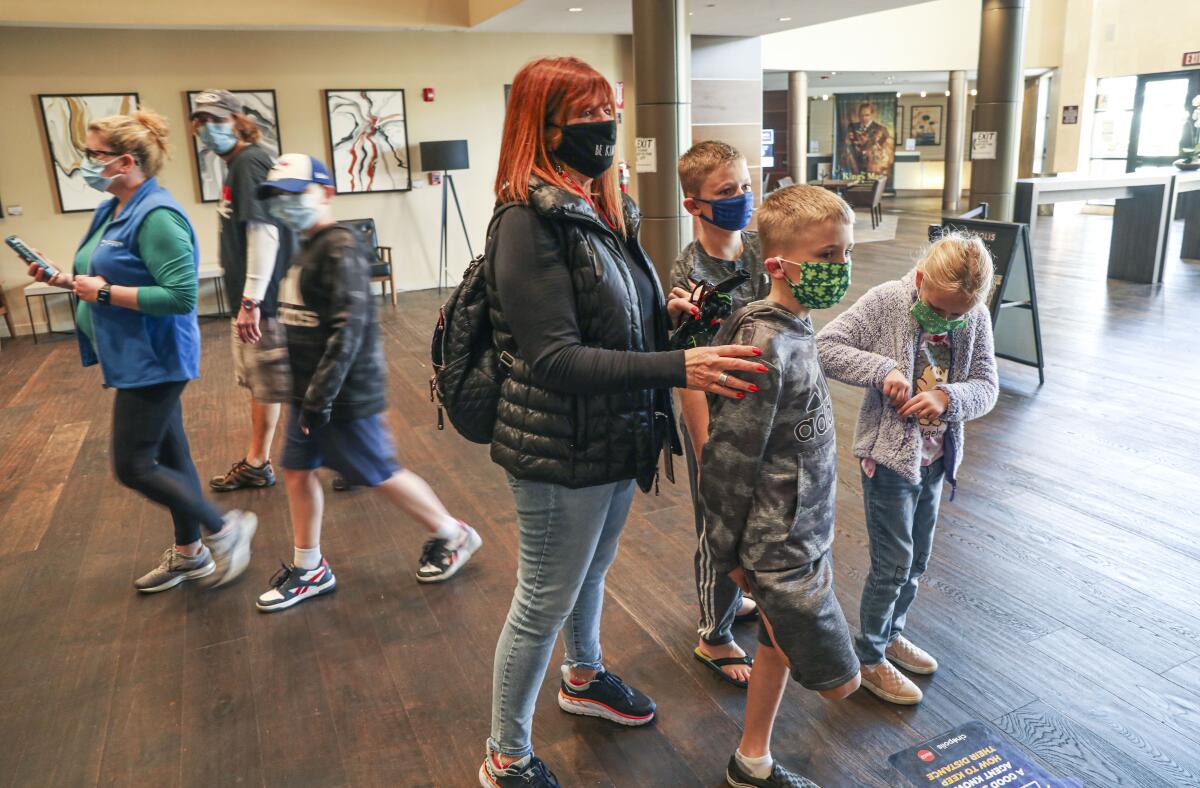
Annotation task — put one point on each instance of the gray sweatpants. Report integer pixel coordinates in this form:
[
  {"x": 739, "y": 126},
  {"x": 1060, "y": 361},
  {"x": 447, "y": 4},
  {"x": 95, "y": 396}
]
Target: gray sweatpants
[{"x": 719, "y": 596}]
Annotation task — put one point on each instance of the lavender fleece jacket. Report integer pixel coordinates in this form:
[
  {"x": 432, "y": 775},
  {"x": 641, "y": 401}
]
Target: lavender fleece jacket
[{"x": 879, "y": 334}]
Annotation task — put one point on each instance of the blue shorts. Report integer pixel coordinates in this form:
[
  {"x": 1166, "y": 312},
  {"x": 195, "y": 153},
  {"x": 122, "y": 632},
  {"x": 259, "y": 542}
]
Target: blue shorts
[{"x": 360, "y": 450}]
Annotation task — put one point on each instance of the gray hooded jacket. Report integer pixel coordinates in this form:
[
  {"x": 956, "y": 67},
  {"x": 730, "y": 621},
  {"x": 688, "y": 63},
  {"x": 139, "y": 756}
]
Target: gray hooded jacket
[
  {"x": 879, "y": 334},
  {"x": 769, "y": 470}
]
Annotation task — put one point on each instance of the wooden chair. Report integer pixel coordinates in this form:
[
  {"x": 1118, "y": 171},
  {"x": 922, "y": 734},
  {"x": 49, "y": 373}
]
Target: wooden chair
[
  {"x": 868, "y": 195},
  {"x": 12, "y": 331},
  {"x": 381, "y": 271}
]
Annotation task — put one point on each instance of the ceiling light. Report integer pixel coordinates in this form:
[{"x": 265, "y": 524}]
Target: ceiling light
[
  {"x": 833, "y": 73},
  {"x": 923, "y": 94},
  {"x": 574, "y": 10},
  {"x": 898, "y": 94},
  {"x": 824, "y": 97},
  {"x": 974, "y": 92},
  {"x": 785, "y": 19},
  {"x": 947, "y": 93}
]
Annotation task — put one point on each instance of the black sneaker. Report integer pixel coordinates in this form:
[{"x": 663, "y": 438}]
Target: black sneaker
[
  {"x": 608, "y": 697},
  {"x": 529, "y": 772},
  {"x": 780, "y": 777},
  {"x": 244, "y": 475},
  {"x": 441, "y": 561},
  {"x": 341, "y": 485},
  {"x": 291, "y": 586}
]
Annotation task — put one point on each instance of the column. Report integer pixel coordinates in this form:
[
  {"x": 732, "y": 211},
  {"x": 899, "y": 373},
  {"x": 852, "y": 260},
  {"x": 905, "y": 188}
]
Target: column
[
  {"x": 956, "y": 124},
  {"x": 998, "y": 105},
  {"x": 798, "y": 125},
  {"x": 661, "y": 73}
]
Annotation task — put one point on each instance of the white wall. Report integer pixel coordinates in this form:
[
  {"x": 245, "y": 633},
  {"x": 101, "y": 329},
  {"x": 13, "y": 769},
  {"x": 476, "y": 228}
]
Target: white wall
[{"x": 468, "y": 71}]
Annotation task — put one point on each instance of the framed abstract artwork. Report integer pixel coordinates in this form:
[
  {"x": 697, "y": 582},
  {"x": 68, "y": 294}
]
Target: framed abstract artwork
[
  {"x": 926, "y": 125},
  {"x": 259, "y": 106},
  {"x": 368, "y": 141},
  {"x": 65, "y": 118}
]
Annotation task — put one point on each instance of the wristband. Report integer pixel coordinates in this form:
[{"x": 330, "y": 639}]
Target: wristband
[
  {"x": 104, "y": 295},
  {"x": 249, "y": 304}
]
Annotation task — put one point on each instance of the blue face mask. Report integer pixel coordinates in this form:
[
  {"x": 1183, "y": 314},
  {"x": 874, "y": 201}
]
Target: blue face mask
[
  {"x": 91, "y": 175},
  {"x": 217, "y": 137},
  {"x": 731, "y": 213},
  {"x": 294, "y": 211}
]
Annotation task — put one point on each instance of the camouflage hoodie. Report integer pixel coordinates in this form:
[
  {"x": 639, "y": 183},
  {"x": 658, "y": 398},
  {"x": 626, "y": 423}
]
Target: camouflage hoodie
[{"x": 769, "y": 469}]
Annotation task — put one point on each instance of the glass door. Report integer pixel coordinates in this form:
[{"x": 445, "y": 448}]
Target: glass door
[
  {"x": 1161, "y": 119},
  {"x": 1111, "y": 125}
]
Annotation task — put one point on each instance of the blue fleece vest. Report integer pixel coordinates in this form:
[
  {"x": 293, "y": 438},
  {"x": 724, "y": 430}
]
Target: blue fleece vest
[{"x": 135, "y": 349}]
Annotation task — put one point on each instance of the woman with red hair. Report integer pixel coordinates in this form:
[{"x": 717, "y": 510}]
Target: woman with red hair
[{"x": 581, "y": 321}]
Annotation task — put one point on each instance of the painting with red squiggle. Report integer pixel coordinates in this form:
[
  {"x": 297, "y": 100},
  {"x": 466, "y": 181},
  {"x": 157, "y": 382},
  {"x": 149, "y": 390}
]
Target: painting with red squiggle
[{"x": 368, "y": 140}]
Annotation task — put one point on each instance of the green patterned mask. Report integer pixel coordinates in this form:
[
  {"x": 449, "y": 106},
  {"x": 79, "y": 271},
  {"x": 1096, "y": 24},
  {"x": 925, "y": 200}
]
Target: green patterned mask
[
  {"x": 933, "y": 323},
  {"x": 822, "y": 284}
]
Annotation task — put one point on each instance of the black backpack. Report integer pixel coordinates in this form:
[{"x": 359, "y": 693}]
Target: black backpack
[{"x": 467, "y": 368}]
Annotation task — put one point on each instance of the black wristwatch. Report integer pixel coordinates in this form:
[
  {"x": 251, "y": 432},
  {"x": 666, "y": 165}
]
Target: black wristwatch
[
  {"x": 104, "y": 295},
  {"x": 249, "y": 304}
]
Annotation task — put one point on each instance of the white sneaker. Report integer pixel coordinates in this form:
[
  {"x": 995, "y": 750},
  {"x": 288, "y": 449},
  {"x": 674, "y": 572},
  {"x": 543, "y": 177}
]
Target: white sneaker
[
  {"x": 912, "y": 658},
  {"x": 441, "y": 558},
  {"x": 231, "y": 545},
  {"x": 890, "y": 684}
]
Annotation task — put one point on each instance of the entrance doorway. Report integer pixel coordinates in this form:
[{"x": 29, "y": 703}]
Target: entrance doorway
[{"x": 1162, "y": 121}]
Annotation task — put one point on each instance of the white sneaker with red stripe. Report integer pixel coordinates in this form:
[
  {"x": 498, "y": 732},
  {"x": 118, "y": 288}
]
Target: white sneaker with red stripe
[{"x": 291, "y": 586}]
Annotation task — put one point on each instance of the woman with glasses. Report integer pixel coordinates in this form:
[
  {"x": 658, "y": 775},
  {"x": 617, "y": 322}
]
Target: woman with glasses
[{"x": 135, "y": 275}]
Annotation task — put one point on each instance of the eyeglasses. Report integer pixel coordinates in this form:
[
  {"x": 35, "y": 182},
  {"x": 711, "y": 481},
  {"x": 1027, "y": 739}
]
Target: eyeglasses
[{"x": 93, "y": 155}]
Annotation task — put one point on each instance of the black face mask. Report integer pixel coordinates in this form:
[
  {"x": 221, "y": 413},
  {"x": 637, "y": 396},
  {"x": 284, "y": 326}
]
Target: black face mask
[{"x": 588, "y": 147}]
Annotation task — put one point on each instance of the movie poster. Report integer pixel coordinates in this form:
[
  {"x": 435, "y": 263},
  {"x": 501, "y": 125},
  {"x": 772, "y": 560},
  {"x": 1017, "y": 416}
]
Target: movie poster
[{"x": 866, "y": 134}]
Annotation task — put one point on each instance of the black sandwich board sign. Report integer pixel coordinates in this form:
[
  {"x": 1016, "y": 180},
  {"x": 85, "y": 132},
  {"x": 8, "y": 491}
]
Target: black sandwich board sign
[
  {"x": 973, "y": 755},
  {"x": 1015, "y": 322}
]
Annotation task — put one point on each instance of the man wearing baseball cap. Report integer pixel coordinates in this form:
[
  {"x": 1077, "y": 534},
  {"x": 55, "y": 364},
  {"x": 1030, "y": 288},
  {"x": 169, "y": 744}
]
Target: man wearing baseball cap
[
  {"x": 337, "y": 419},
  {"x": 255, "y": 249}
]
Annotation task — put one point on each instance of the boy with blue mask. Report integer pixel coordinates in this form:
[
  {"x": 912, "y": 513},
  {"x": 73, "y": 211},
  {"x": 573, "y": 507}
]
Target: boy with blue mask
[
  {"x": 339, "y": 377},
  {"x": 254, "y": 253},
  {"x": 716, "y": 186}
]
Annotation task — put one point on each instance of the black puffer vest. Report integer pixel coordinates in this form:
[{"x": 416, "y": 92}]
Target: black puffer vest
[{"x": 580, "y": 440}]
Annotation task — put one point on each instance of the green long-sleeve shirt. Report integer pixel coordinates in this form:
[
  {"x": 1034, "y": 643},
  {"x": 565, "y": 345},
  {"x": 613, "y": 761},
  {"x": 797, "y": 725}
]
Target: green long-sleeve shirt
[{"x": 165, "y": 242}]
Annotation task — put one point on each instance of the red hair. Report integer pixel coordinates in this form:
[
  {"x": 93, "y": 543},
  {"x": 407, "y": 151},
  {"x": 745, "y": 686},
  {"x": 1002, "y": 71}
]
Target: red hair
[{"x": 544, "y": 94}]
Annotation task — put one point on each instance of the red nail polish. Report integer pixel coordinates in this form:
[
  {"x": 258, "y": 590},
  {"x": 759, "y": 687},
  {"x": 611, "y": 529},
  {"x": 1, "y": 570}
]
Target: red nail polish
[
  {"x": 754, "y": 388},
  {"x": 741, "y": 396},
  {"x": 762, "y": 369},
  {"x": 757, "y": 352}
]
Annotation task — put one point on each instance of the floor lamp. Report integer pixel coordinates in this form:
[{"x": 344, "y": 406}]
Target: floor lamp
[{"x": 446, "y": 155}]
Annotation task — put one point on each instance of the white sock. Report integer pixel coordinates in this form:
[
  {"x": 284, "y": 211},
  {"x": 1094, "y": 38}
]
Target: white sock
[
  {"x": 306, "y": 557},
  {"x": 758, "y": 768},
  {"x": 452, "y": 531}
]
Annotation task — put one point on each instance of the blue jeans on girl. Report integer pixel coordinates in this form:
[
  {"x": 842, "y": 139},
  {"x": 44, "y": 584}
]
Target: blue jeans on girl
[
  {"x": 567, "y": 541},
  {"x": 900, "y": 522}
]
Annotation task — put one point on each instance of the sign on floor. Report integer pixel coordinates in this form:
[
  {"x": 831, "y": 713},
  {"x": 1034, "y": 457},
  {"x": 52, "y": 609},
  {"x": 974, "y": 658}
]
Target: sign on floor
[{"x": 973, "y": 755}]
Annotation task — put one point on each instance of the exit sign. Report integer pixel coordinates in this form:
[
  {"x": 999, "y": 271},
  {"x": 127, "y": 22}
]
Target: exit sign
[{"x": 1191, "y": 58}]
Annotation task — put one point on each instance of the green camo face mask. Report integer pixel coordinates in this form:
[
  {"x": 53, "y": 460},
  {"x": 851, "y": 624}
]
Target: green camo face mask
[
  {"x": 822, "y": 284},
  {"x": 933, "y": 323}
]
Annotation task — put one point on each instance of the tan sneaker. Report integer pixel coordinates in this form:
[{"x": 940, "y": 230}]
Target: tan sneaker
[
  {"x": 890, "y": 684},
  {"x": 912, "y": 658}
]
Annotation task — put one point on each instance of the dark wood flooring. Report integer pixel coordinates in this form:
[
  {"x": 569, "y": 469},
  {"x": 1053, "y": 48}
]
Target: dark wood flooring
[{"x": 1063, "y": 596}]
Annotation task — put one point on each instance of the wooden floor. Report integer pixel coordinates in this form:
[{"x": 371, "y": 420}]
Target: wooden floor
[{"x": 1063, "y": 598}]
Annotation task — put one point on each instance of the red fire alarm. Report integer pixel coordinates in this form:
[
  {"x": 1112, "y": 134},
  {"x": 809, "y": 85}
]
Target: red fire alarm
[{"x": 427, "y": 94}]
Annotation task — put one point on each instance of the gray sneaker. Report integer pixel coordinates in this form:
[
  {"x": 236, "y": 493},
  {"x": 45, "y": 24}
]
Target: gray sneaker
[
  {"x": 231, "y": 545},
  {"x": 174, "y": 569}
]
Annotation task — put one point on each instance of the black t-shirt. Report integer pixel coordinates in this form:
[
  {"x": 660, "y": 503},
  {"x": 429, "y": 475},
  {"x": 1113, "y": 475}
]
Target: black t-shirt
[
  {"x": 647, "y": 298},
  {"x": 240, "y": 205}
]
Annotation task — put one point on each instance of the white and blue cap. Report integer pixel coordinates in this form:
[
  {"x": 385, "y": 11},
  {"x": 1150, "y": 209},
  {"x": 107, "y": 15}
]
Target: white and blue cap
[{"x": 295, "y": 172}]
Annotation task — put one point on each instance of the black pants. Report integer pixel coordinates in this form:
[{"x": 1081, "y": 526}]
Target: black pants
[{"x": 151, "y": 455}]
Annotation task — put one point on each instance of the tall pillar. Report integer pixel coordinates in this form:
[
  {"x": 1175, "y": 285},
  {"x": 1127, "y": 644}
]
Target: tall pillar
[
  {"x": 956, "y": 124},
  {"x": 662, "y": 77},
  {"x": 998, "y": 105},
  {"x": 797, "y": 99}
]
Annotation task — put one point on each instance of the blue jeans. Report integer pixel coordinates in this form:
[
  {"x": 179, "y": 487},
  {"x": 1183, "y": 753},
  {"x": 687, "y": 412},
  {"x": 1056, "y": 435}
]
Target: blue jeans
[
  {"x": 900, "y": 521},
  {"x": 567, "y": 541}
]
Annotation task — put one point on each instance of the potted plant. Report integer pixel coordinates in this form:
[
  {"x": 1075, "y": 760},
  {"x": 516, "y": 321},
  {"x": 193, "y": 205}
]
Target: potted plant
[{"x": 1190, "y": 157}]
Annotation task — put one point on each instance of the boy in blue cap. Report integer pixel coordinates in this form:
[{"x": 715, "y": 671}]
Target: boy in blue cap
[{"x": 338, "y": 378}]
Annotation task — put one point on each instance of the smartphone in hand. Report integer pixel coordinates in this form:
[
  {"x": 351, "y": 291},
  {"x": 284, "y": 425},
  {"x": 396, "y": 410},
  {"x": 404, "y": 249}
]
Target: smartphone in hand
[{"x": 30, "y": 256}]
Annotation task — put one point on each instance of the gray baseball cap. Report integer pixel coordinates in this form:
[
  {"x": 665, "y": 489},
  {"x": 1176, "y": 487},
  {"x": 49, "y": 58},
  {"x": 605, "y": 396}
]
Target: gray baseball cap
[{"x": 219, "y": 103}]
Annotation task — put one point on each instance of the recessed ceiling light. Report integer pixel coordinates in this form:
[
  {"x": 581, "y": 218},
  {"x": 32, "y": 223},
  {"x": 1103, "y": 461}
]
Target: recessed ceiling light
[
  {"x": 922, "y": 94},
  {"x": 897, "y": 94},
  {"x": 574, "y": 9},
  {"x": 974, "y": 92},
  {"x": 833, "y": 73},
  {"x": 824, "y": 97},
  {"x": 785, "y": 19},
  {"x": 947, "y": 93}
]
